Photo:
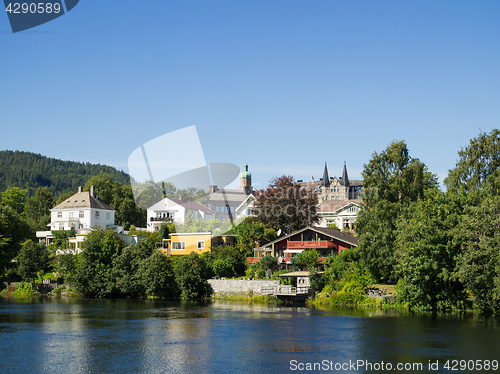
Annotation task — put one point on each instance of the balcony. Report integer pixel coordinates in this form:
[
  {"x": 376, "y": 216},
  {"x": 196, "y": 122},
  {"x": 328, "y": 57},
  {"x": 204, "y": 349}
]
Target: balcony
[
  {"x": 161, "y": 219},
  {"x": 320, "y": 244}
]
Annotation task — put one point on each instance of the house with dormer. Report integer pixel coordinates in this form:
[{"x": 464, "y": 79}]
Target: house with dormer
[{"x": 81, "y": 212}]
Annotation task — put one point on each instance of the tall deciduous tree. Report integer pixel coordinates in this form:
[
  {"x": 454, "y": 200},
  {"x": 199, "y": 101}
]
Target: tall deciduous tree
[
  {"x": 32, "y": 259},
  {"x": 95, "y": 275},
  {"x": 14, "y": 231},
  {"x": 37, "y": 209},
  {"x": 392, "y": 180},
  {"x": 478, "y": 165},
  {"x": 478, "y": 266},
  {"x": 427, "y": 252},
  {"x": 284, "y": 203}
]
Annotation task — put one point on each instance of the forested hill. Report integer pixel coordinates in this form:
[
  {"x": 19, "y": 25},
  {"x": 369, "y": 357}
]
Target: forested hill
[{"x": 30, "y": 170}]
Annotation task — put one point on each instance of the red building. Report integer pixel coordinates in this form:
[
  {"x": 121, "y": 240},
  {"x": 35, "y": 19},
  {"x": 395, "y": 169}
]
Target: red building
[{"x": 326, "y": 241}]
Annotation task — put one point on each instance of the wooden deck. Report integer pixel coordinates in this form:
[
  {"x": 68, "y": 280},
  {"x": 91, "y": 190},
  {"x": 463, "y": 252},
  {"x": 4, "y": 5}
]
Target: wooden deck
[{"x": 287, "y": 292}]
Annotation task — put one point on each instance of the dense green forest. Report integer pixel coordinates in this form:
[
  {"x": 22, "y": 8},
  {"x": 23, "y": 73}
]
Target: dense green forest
[{"x": 29, "y": 171}]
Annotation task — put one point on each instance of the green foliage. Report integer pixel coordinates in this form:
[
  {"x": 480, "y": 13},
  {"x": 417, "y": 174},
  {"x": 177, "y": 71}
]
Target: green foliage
[
  {"x": 200, "y": 225},
  {"x": 306, "y": 260},
  {"x": 333, "y": 226},
  {"x": 13, "y": 231},
  {"x": 15, "y": 198},
  {"x": 30, "y": 171},
  {"x": 23, "y": 291},
  {"x": 37, "y": 209},
  {"x": 95, "y": 269},
  {"x": 157, "y": 275},
  {"x": 478, "y": 165},
  {"x": 61, "y": 238},
  {"x": 65, "y": 266},
  {"x": 252, "y": 234},
  {"x": 284, "y": 203},
  {"x": 392, "y": 181},
  {"x": 32, "y": 260},
  {"x": 268, "y": 263},
  {"x": 227, "y": 261},
  {"x": 191, "y": 273},
  {"x": 478, "y": 265},
  {"x": 119, "y": 196},
  {"x": 427, "y": 252},
  {"x": 283, "y": 280}
]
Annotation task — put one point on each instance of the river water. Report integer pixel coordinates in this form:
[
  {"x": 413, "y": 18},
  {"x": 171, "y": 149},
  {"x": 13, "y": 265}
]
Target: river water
[{"x": 126, "y": 336}]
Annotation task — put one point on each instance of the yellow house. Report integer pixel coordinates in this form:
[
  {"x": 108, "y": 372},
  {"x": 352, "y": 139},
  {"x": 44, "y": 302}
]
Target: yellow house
[{"x": 181, "y": 244}]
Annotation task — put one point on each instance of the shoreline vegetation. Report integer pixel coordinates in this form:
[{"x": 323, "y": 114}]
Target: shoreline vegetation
[{"x": 418, "y": 247}]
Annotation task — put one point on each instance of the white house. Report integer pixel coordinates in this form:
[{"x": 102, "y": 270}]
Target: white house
[
  {"x": 82, "y": 211},
  {"x": 341, "y": 213},
  {"x": 176, "y": 211}
]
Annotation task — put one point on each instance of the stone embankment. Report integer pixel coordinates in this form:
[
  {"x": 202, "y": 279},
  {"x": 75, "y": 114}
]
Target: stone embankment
[{"x": 221, "y": 287}]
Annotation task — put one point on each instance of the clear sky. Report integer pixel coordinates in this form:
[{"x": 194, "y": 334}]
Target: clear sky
[{"x": 281, "y": 85}]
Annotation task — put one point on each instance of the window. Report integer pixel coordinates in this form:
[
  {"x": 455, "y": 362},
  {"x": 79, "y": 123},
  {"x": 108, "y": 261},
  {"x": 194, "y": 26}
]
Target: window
[
  {"x": 71, "y": 214},
  {"x": 352, "y": 209},
  {"x": 80, "y": 226},
  {"x": 201, "y": 244},
  {"x": 81, "y": 214},
  {"x": 61, "y": 226},
  {"x": 96, "y": 215},
  {"x": 59, "y": 214},
  {"x": 73, "y": 225},
  {"x": 108, "y": 216},
  {"x": 179, "y": 245}
]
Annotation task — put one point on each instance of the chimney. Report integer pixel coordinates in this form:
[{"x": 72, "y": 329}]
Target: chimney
[
  {"x": 212, "y": 189},
  {"x": 92, "y": 191},
  {"x": 79, "y": 189}
]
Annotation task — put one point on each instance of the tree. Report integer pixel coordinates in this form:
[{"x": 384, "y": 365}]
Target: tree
[
  {"x": 32, "y": 259},
  {"x": 308, "y": 259},
  {"x": 478, "y": 264},
  {"x": 478, "y": 165},
  {"x": 426, "y": 251},
  {"x": 251, "y": 234},
  {"x": 392, "y": 181},
  {"x": 14, "y": 231},
  {"x": 157, "y": 275},
  {"x": 95, "y": 275},
  {"x": 191, "y": 273},
  {"x": 15, "y": 198},
  {"x": 284, "y": 203},
  {"x": 37, "y": 208}
]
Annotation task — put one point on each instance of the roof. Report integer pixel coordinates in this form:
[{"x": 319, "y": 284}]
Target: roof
[
  {"x": 333, "y": 233},
  {"x": 193, "y": 205},
  {"x": 82, "y": 200},
  {"x": 297, "y": 274},
  {"x": 329, "y": 206},
  {"x": 235, "y": 196}
]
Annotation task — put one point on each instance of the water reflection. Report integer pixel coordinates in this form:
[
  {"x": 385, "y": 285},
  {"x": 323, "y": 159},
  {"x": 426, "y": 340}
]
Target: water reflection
[{"x": 127, "y": 336}]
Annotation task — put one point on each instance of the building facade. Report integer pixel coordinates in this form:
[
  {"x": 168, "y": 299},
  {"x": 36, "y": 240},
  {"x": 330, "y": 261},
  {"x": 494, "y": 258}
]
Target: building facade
[
  {"x": 228, "y": 204},
  {"x": 175, "y": 211},
  {"x": 81, "y": 212}
]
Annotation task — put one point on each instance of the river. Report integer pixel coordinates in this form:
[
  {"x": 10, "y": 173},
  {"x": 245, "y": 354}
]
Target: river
[{"x": 61, "y": 335}]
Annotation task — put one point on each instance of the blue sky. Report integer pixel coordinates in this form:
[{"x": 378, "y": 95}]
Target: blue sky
[{"x": 281, "y": 85}]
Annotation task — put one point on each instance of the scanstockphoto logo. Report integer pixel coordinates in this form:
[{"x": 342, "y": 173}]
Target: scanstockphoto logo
[
  {"x": 172, "y": 180},
  {"x": 25, "y": 15}
]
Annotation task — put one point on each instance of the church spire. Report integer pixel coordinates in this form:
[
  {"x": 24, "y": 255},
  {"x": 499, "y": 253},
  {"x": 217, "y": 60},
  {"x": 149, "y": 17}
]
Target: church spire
[
  {"x": 326, "y": 178},
  {"x": 345, "y": 178}
]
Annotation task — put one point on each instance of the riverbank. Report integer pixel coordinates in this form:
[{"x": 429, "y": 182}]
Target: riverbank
[{"x": 26, "y": 290}]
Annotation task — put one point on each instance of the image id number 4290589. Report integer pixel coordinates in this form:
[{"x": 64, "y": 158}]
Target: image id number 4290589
[
  {"x": 19, "y": 8},
  {"x": 472, "y": 365}
]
